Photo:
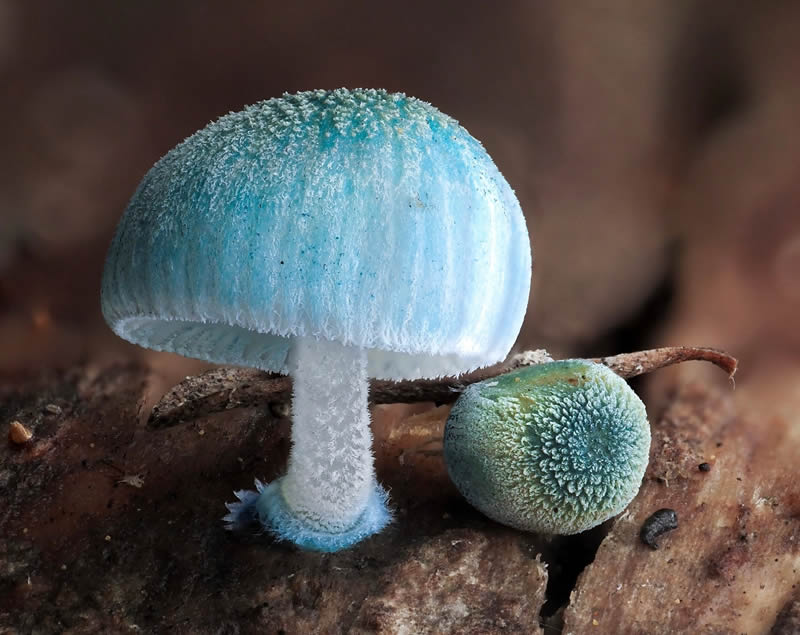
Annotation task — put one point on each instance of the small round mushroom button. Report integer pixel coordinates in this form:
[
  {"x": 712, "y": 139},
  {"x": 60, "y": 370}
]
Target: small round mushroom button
[{"x": 556, "y": 448}]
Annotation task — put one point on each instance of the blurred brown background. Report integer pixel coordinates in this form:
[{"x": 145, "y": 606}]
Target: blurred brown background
[{"x": 653, "y": 146}]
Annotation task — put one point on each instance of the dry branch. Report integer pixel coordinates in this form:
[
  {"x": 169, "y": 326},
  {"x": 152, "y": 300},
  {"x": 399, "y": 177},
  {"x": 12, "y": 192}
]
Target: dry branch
[{"x": 225, "y": 388}]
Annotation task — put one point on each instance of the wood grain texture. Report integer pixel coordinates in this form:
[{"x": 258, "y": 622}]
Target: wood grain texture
[
  {"x": 110, "y": 526},
  {"x": 113, "y": 525},
  {"x": 733, "y": 564}
]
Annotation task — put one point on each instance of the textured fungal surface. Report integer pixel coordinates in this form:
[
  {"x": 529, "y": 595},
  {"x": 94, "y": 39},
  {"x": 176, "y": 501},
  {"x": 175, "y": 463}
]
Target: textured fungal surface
[
  {"x": 351, "y": 215},
  {"x": 556, "y": 448}
]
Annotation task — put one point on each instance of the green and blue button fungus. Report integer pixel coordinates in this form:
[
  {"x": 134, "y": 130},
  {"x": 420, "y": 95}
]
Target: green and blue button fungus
[
  {"x": 333, "y": 236},
  {"x": 554, "y": 448}
]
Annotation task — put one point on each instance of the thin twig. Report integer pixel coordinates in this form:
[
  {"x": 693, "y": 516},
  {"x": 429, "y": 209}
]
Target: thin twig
[
  {"x": 633, "y": 364},
  {"x": 226, "y": 388}
]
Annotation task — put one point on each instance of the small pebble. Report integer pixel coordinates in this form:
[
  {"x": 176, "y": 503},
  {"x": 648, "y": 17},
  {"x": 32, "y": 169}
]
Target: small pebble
[
  {"x": 659, "y": 522},
  {"x": 704, "y": 467},
  {"x": 52, "y": 409},
  {"x": 18, "y": 433}
]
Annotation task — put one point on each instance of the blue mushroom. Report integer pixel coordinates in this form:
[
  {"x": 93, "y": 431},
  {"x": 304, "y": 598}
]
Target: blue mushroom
[
  {"x": 554, "y": 448},
  {"x": 333, "y": 236}
]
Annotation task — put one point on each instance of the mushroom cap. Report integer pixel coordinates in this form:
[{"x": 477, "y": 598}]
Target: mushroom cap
[
  {"x": 359, "y": 216},
  {"x": 555, "y": 448}
]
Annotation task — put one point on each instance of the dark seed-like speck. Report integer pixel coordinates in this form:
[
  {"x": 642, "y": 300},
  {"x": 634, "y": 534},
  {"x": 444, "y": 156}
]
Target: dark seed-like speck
[{"x": 659, "y": 522}]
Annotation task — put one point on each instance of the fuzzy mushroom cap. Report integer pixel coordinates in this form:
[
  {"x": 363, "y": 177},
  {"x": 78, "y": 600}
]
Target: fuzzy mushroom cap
[
  {"x": 555, "y": 448},
  {"x": 359, "y": 216}
]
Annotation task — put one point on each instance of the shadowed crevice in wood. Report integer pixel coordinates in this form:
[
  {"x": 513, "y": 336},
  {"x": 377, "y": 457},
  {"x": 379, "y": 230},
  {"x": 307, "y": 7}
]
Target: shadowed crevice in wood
[{"x": 788, "y": 620}]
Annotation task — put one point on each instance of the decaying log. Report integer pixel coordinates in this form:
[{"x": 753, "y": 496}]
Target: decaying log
[
  {"x": 111, "y": 525},
  {"x": 733, "y": 564}
]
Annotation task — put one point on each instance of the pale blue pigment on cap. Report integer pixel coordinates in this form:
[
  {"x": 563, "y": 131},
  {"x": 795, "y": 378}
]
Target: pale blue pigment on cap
[
  {"x": 359, "y": 216},
  {"x": 555, "y": 448}
]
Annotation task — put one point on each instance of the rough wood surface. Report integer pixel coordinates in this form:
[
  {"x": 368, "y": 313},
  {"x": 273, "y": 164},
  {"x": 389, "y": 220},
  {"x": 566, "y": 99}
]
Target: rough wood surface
[
  {"x": 110, "y": 526},
  {"x": 733, "y": 564}
]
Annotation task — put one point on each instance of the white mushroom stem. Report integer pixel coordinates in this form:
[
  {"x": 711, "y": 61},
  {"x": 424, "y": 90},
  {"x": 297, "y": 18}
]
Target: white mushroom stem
[{"x": 331, "y": 473}]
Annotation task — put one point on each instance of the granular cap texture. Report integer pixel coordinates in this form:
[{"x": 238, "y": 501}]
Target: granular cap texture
[{"x": 555, "y": 448}]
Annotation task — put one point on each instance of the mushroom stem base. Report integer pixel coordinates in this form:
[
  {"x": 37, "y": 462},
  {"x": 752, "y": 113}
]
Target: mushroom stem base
[
  {"x": 277, "y": 518},
  {"x": 267, "y": 506}
]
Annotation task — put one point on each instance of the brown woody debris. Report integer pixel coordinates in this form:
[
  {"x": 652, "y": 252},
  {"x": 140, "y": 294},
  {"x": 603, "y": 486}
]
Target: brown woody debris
[
  {"x": 440, "y": 567},
  {"x": 18, "y": 433}
]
